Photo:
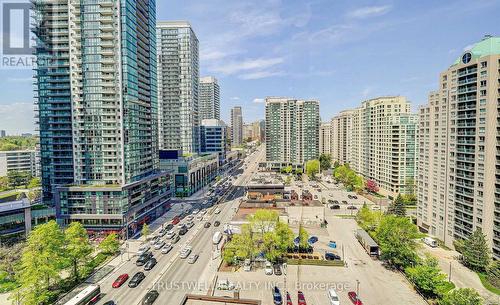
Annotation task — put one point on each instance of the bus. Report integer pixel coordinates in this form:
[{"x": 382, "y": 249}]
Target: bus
[{"x": 89, "y": 295}]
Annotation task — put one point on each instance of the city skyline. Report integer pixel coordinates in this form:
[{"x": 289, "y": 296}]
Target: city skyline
[{"x": 247, "y": 75}]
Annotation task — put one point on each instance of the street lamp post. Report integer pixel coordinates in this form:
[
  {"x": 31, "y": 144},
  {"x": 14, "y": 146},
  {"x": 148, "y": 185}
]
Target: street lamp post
[{"x": 357, "y": 288}]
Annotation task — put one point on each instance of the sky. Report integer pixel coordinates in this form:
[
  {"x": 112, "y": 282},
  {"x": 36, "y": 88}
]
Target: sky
[{"x": 338, "y": 52}]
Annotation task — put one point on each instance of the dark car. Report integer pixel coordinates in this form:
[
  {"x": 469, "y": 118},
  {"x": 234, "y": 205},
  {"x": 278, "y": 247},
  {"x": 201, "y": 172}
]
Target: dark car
[
  {"x": 150, "y": 297},
  {"x": 144, "y": 258},
  {"x": 207, "y": 225},
  {"x": 336, "y": 202},
  {"x": 312, "y": 240},
  {"x": 278, "y": 300},
  {"x": 349, "y": 196},
  {"x": 110, "y": 303},
  {"x": 344, "y": 202},
  {"x": 168, "y": 227},
  {"x": 331, "y": 256},
  {"x": 150, "y": 264},
  {"x": 216, "y": 223},
  {"x": 301, "y": 298},
  {"x": 351, "y": 207},
  {"x": 354, "y": 197},
  {"x": 277, "y": 269},
  {"x": 136, "y": 279},
  {"x": 183, "y": 231},
  {"x": 335, "y": 207},
  {"x": 330, "y": 201}
]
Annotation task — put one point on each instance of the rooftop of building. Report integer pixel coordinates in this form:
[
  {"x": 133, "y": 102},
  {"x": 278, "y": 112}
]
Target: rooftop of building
[
  {"x": 173, "y": 24},
  {"x": 208, "y": 79},
  {"x": 489, "y": 45}
]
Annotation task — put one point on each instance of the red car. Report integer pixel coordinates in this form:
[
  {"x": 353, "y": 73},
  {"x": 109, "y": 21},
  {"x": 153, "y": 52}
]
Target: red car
[
  {"x": 302, "y": 300},
  {"x": 288, "y": 299},
  {"x": 354, "y": 298},
  {"x": 176, "y": 220},
  {"x": 120, "y": 280}
]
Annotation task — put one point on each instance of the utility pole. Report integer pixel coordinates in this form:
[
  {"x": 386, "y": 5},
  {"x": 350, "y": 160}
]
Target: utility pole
[
  {"x": 449, "y": 275},
  {"x": 357, "y": 289}
]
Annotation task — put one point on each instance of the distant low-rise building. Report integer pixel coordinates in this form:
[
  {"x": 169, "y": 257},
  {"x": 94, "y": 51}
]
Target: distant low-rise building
[
  {"x": 18, "y": 160},
  {"x": 213, "y": 135}
]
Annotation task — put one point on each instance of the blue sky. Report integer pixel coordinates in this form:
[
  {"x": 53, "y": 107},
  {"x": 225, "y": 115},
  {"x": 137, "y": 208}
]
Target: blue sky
[{"x": 340, "y": 52}]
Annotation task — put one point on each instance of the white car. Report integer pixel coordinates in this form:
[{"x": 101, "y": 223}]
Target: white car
[
  {"x": 170, "y": 234},
  {"x": 268, "y": 268},
  {"x": 189, "y": 224},
  {"x": 185, "y": 252},
  {"x": 217, "y": 211},
  {"x": 189, "y": 218},
  {"x": 196, "y": 211},
  {"x": 154, "y": 239},
  {"x": 203, "y": 212},
  {"x": 247, "y": 266},
  {"x": 159, "y": 244},
  {"x": 333, "y": 297},
  {"x": 143, "y": 249},
  {"x": 166, "y": 248}
]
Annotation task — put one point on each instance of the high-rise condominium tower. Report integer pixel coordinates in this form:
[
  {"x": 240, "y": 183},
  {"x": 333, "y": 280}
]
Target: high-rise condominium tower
[
  {"x": 236, "y": 126},
  {"x": 209, "y": 98},
  {"x": 178, "y": 82},
  {"x": 292, "y": 130},
  {"x": 383, "y": 144},
  {"x": 325, "y": 131},
  {"x": 459, "y": 157},
  {"x": 341, "y": 132},
  {"x": 98, "y": 110}
]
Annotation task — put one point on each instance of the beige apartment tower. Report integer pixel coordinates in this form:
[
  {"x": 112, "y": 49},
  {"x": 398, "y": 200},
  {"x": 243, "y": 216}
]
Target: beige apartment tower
[
  {"x": 459, "y": 156},
  {"x": 341, "y": 133},
  {"x": 325, "y": 131}
]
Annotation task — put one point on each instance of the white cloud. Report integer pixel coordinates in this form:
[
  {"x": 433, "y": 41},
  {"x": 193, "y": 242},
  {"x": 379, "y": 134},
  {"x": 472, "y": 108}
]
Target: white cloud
[
  {"x": 369, "y": 11},
  {"x": 235, "y": 98},
  {"x": 261, "y": 74},
  {"x": 20, "y": 79},
  {"x": 258, "y": 100},
  {"x": 17, "y": 118},
  {"x": 258, "y": 64}
]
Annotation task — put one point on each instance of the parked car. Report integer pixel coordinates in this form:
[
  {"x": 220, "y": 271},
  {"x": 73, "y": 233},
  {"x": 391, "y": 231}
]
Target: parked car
[
  {"x": 335, "y": 202},
  {"x": 344, "y": 202},
  {"x": 193, "y": 258},
  {"x": 136, "y": 279},
  {"x": 150, "y": 297},
  {"x": 144, "y": 258},
  {"x": 183, "y": 231},
  {"x": 185, "y": 252},
  {"x": 167, "y": 248},
  {"x": 150, "y": 264},
  {"x": 277, "y": 299},
  {"x": 175, "y": 239},
  {"x": 354, "y": 197},
  {"x": 268, "y": 268},
  {"x": 277, "y": 269},
  {"x": 207, "y": 225},
  {"x": 189, "y": 218},
  {"x": 154, "y": 240},
  {"x": 330, "y": 256},
  {"x": 351, "y": 207},
  {"x": 176, "y": 220},
  {"x": 353, "y": 297},
  {"x": 301, "y": 298},
  {"x": 216, "y": 223},
  {"x": 335, "y": 207},
  {"x": 217, "y": 211},
  {"x": 333, "y": 297},
  {"x": 195, "y": 211},
  {"x": 312, "y": 240},
  {"x": 120, "y": 280},
  {"x": 159, "y": 244},
  {"x": 143, "y": 249},
  {"x": 170, "y": 234},
  {"x": 349, "y": 196}
]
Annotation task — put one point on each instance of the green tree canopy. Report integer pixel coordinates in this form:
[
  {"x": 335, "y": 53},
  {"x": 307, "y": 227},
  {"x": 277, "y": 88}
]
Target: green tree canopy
[
  {"x": 145, "y": 231},
  {"x": 428, "y": 278},
  {"x": 462, "y": 296},
  {"x": 396, "y": 237},
  {"x": 17, "y": 143},
  {"x": 78, "y": 248},
  {"x": 325, "y": 161},
  {"x": 18, "y": 178},
  {"x": 397, "y": 207},
  {"x": 312, "y": 168},
  {"x": 34, "y": 182},
  {"x": 368, "y": 219},
  {"x": 476, "y": 253},
  {"x": 110, "y": 244},
  {"x": 303, "y": 237},
  {"x": 263, "y": 221}
]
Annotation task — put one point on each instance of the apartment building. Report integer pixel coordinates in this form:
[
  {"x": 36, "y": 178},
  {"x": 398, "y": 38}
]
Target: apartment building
[
  {"x": 383, "y": 144},
  {"x": 459, "y": 167},
  {"x": 236, "y": 126},
  {"x": 209, "y": 99},
  {"x": 18, "y": 160},
  {"x": 292, "y": 130},
  {"x": 214, "y": 138},
  {"x": 178, "y": 83},
  {"x": 97, "y": 103},
  {"x": 341, "y": 133},
  {"x": 325, "y": 131}
]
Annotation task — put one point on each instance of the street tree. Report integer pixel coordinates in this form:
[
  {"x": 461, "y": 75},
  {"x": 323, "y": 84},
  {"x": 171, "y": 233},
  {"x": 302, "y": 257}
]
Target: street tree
[
  {"x": 303, "y": 237},
  {"x": 145, "y": 231},
  {"x": 10, "y": 257},
  {"x": 77, "y": 248},
  {"x": 367, "y": 218},
  {"x": 397, "y": 207},
  {"x": 476, "y": 253},
  {"x": 110, "y": 244},
  {"x": 428, "y": 278},
  {"x": 241, "y": 246},
  {"x": 462, "y": 296},
  {"x": 312, "y": 168},
  {"x": 397, "y": 237},
  {"x": 284, "y": 237},
  {"x": 325, "y": 161},
  {"x": 493, "y": 273},
  {"x": 371, "y": 186},
  {"x": 263, "y": 221}
]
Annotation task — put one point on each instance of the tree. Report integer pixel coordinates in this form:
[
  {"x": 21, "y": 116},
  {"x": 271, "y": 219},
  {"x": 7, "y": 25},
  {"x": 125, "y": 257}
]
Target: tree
[
  {"x": 312, "y": 168},
  {"x": 476, "y": 253},
  {"x": 428, "y": 278},
  {"x": 325, "y": 161},
  {"x": 303, "y": 237},
  {"x": 284, "y": 237},
  {"x": 145, "y": 231},
  {"x": 4, "y": 184},
  {"x": 288, "y": 180},
  {"x": 397, "y": 207},
  {"x": 397, "y": 237},
  {"x": 371, "y": 186},
  {"x": 41, "y": 264},
  {"x": 241, "y": 246},
  {"x": 462, "y": 296},
  {"x": 34, "y": 194},
  {"x": 263, "y": 221},
  {"x": 10, "y": 258},
  {"x": 367, "y": 218},
  {"x": 110, "y": 244},
  {"x": 18, "y": 178},
  {"x": 34, "y": 182},
  {"x": 77, "y": 248},
  {"x": 493, "y": 274}
]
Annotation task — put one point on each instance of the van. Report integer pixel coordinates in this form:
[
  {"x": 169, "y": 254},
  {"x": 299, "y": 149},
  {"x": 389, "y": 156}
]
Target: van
[
  {"x": 430, "y": 242},
  {"x": 217, "y": 238},
  {"x": 333, "y": 297}
]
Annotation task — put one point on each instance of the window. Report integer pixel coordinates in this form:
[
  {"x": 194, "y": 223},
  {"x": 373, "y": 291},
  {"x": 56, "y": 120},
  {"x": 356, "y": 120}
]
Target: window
[{"x": 484, "y": 64}]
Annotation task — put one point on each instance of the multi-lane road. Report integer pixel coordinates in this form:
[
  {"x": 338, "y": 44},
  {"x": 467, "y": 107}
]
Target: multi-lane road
[{"x": 173, "y": 277}]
